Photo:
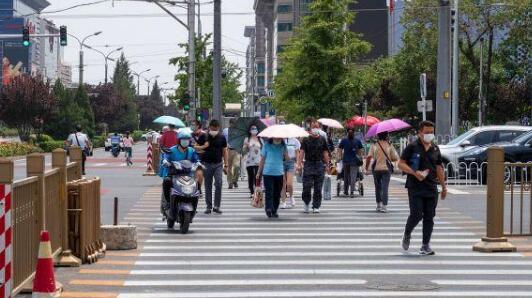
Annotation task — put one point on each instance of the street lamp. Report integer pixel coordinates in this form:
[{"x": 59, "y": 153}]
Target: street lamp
[
  {"x": 138, "y": 79},
  {"x": 81, "y": 44},
  {"x": 149, "y": 81},
  {"x": 106, "y": 57}
]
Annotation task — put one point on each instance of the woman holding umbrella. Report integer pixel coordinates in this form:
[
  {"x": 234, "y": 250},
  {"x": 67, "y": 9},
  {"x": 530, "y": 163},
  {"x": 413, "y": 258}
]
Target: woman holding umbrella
[{"x": 251, "y": 148}]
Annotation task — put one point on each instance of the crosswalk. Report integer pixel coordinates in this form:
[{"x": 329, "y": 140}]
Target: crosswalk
[{"x": 348, "y": 250}]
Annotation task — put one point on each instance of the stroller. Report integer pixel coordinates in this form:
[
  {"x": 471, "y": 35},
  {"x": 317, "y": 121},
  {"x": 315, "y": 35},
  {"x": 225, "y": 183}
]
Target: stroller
[{"x": 359, "y": 186}]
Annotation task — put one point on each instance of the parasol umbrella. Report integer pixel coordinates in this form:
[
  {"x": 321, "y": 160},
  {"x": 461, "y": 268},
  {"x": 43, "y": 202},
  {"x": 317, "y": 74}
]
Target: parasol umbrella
[
  {"x": 169, "y": 120},
  {"x": 240, "y": 131},
  {"x": 268, "y": 121},
  {"x": 360, "y": 121},
  {"x": 283, "y": 131},
  {"x": 330, "y": 123},
  {"x": 390, "y": 125}
]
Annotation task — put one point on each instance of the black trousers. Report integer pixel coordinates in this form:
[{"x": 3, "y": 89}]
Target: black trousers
[
  {"x": 272, "y": 188},
  {"x": 83, "y": 160},
  {"x": 252, "y": 177},
  {"x": 422, "y": 207}
]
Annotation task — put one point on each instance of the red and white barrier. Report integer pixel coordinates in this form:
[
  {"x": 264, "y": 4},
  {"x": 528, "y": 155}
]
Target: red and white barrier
[
  {"x": 149, "y": 170},
  {"x": 6, "y": 238}
]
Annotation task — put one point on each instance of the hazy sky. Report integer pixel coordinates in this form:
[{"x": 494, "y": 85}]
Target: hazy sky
[{"x": 148, "y": 35}]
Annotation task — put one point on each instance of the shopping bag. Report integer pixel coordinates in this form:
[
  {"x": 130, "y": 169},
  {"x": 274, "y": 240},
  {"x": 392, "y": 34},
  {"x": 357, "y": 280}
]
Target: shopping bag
[
  {"x": 299, "y": 176},
  {"x": 327, "y": 187},
  {"x": 258, "y": 197},
  {"x": 339, "y": 166}
]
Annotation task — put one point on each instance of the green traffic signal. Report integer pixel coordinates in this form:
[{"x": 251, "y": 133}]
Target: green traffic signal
[
  {"x": 26, "y": 43},
  {"x": 26, "y": 37},
  {"x": 63, "y": 36},
  {"x": 186, "y": 107}
]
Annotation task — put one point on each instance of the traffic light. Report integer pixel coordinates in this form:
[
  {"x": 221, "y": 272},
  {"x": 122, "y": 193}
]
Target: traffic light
[
  {"x": 453, "y": 20},
  {"x": 186, "y": 102},
  {"x": 63, "y": 36},
  {"x": 26, "y": 37}
]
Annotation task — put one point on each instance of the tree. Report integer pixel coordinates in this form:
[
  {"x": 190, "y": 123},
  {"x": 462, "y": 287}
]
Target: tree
[
  {"x": 26, "y": 104},
  {"x": 231, "y": 75},
  {"x": 319, "y": 74},
  {"x": 150, "y": 107},
  {"x": 126, "y": 117}
]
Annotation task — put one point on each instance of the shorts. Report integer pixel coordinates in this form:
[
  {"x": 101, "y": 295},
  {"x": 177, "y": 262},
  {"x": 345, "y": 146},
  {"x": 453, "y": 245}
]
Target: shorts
[{"x": 290, "y": 166}]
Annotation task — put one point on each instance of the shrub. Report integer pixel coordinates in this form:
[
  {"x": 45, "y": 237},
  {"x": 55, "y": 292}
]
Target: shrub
[
  {"x": 49, "y": 146},
  {"x": 16, "y": 149},
  {"x": 137, "y": 134},
  {"x": 8, "y": 132},
  {"x": 98, "y": 141}
]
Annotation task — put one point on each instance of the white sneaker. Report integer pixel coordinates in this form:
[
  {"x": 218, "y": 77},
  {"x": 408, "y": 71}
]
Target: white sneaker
[
  {"x": 284, "y": 206},
  {"x": 315, "y": 210},
  {"x": 292, "y": 201},
  {"x": 379, "y": 207},
  {"x": 384, "y": 209},
  {"x": 288, "y": 205},
  {"x": 307, "y": 208}
]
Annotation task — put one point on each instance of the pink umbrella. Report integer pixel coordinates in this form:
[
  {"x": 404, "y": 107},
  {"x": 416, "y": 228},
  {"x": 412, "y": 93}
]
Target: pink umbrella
[
  {"x": 360, "y": 121},
  {"x": 390, "y": 125},
  {"x": 330, "y": 123},
  {"x": 283, "y": 131},
  {"x": 268, "y": 121}
]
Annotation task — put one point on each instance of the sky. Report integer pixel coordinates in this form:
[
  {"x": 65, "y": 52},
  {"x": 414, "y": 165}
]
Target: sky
[{"x": 148, "y": 35}]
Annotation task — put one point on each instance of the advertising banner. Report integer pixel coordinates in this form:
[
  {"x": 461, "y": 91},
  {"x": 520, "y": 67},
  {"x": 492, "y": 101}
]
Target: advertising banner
[{"x": 15, "y": 56}]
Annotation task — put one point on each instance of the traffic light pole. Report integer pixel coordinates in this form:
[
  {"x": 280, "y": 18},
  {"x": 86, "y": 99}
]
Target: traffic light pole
[
  {"x": 217, "y": 62},
  {"x": 443, "y": 115},
  {"x": 456, "y": 57},
  {"x": 192, "y": 57}
]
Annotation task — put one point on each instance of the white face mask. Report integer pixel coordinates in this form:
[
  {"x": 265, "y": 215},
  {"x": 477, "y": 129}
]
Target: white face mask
[
  {"x": 315, "y": 131},
  {"x": 184, "y": 143},
  {"x": 428, "y": 138},
  {"x": 213, "y": 133}
]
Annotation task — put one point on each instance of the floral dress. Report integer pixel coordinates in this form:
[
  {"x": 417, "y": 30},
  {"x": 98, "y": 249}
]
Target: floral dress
[{"x": 253, "y": 152}]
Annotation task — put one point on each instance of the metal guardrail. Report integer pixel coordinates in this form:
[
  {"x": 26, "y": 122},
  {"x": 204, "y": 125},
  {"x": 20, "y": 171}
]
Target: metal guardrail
[{"x": 519, "y": 198}]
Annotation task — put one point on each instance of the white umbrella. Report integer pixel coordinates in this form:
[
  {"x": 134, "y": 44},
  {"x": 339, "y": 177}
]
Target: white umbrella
[
  {"x": 330, "y": 123},
  {"x": 283, "y": 131}
]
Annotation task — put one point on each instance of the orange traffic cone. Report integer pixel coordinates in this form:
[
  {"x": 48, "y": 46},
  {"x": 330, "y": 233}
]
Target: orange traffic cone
[{"x": 44, "y": 283}]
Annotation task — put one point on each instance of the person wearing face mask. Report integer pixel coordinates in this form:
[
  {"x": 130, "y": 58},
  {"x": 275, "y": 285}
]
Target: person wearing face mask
[
  {"x": 252, "y": 147},
  {"x": 182, "y": 151},
  {"x": 215, "y": 161},
  {"x": 315, "y": 153},
  {"x": 422, "y": 162},
  {"x": 351, "y": 153},
  {"x": 233, "y": 170},
  {"x": 273, "y": 154}
]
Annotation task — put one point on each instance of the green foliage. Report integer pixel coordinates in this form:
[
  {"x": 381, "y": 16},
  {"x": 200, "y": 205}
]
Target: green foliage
[
  {"x": 17, "y": 149},
  {"x": 49, "y": 146},
  {"x": 98, "y": 141},
  {"x": 319, "y": 75},
  {"x": 8, "y": 132},
  {"x": 137, "y": 134},
  {"x": 126, "y": 117},
  {"x": 204, "y": 79}
]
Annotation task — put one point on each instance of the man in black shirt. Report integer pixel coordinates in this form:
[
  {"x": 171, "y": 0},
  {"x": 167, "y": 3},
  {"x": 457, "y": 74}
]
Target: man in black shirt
[
  {"x": 215, "y": 151},
  {"x": 316, "y": 155},
  {"x": 422, "y": 162}
]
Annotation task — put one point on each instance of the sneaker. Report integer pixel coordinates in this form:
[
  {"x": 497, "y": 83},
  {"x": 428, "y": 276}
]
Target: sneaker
[
  {"x": 235, "y": 184},
  {"x": 315, "y": 210},
  {"x": 284, "y": 206},
  {"x": 230, "y": 186},
  {"x": 269, "y": 213},
  {"x": 306, "y": 208},
  {"x": 292, "y": 201},
  {"x": 208, "y": 211},
  {"x": 426, "y": 250},
  {"x": 384, "y": 209},
  {"x": 352, "y": 195},
  {"x": 275, "y": 215},
  {"x": 406, "y": 242},
  {"x": 379, "y": 207},
  {"x": 288, "y": 205},
  {"x": 217, "y": 210}
]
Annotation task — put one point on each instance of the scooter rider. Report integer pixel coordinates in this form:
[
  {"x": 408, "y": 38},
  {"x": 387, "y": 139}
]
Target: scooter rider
[{"x": 182, "y": 151}]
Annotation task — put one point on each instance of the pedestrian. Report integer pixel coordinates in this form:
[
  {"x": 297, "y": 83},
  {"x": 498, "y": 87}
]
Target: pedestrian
[
  {"x": 422, "y": 162},
  {"x": 215, "y": 160},
  {"x": 252, "y": 147},
  {"x": 169, "y": 137},
  {"x": 128, "y": 142},
  {"x": 273, "y": 154},
  {"x": 197, "y": 134},
  {"x": 315, "y": 153},
  {"x": 383, "y": 155},
  {"x": 233, "y": 171},
  {"x": 78, "y": 138},
  {"x": 351, "y": 151},
  {"x": 292, "y": 147}
]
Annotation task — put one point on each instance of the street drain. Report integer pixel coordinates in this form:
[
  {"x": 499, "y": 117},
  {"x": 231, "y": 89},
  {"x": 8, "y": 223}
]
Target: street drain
[{"x": 381, "y": 286}]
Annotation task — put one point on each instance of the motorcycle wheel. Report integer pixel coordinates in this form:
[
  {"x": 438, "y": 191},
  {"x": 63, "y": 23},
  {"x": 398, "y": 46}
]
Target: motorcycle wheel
[
  {"x": 184, "y": 223},
  {"x": 170, "y": 223}
]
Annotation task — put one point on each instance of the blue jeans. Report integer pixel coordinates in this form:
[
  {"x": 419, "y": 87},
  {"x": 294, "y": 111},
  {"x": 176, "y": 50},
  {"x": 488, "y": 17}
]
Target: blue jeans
[
  {"x": 272, "y": 189},
  {"x": 382, "y": 183}
]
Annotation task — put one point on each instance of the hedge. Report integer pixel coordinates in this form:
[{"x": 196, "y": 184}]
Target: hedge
[
  {"x": 17, "y": 149},
  {"x": 137, "y": 135},
  {"x": 49, "y": 146},
  {"x": 98, "y": 141}
]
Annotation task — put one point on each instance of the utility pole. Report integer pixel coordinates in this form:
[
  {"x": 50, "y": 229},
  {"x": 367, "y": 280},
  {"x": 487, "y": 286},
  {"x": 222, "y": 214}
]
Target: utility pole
[
  {"x": 192, "y": 56},
  {"x": 456, "y": 65},
  {"x": 443, "y": 105},
  {"x": 217, "y": 62},
  {"x": 480, "y": 85}
]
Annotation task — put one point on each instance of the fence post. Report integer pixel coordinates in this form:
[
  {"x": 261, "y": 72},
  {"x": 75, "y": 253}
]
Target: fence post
[
  {"x": 149, "y": 169},
  {"x": 156, "y": 157},
  {"x": 59, "y": 160},
  {"x": 35, "y": 167},
  {"x": 495, "y": 240},
  {"x": 6, "y": 180},
  {"x": 77, "y": 157}
]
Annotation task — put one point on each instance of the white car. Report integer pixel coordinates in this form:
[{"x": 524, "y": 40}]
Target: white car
[
  {"x": 479, "y": 136},
  {"x": 155, "y": 136}
]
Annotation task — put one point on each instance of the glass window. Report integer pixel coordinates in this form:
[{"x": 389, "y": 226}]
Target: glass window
[
  {"x": 483, "y": 138},
  {"x": 509, "y": 135},
  {"x": 260, "y": 67},
  {"x": 284, "y": 8},
  {"x": 284, "y": 27},
  {"x": 280, "y": 49},
  {"x": 260, "y": 81}
]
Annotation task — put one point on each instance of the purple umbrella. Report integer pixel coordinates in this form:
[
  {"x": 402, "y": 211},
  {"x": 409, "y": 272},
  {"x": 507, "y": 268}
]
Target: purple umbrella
[{"x": 390, "y": 125}]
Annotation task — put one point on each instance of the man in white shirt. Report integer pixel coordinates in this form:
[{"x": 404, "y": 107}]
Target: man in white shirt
[{"x": 81, "y": 140}]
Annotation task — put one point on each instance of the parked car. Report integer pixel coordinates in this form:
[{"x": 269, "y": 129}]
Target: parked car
[
  {"x": 155, "y": 136},
  {"x": 518, "y": 150},
  {"x": 479, "y": 136}
]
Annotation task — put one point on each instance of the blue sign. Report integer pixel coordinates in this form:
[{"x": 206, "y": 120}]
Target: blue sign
[{"x": 6, "y": 8}]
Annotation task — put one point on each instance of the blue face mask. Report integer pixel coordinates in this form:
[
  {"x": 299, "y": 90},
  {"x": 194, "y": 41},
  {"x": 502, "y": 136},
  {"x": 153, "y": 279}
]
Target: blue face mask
[{"x": 254, "y": 131}]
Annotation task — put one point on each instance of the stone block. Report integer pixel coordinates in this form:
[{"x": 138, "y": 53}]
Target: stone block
[{"x": 120, "y": 237}]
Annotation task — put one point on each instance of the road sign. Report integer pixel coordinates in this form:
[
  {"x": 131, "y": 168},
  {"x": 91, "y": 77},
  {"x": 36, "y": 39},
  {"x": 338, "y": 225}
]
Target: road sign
[
  {"x": 428, "y": 106},
  {"x": 423, "y": 85}
]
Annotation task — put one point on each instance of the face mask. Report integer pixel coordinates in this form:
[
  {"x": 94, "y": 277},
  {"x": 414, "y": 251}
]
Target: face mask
[
  {"x": 193, "y": 127},
  {"x": 213, "y": 133},
  {"x": 315, "y": 131},
  {"x": 428, "y": 138},
  {"x": 184, "y": 143},
  {"x": 254, "y": 132},
  {"x": 277, "y": 142}
]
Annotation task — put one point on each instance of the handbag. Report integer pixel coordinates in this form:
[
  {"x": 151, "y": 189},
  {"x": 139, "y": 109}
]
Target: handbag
[
  {"x": 258, "y": 199},
  {"x": 85, "y": 150},
  {"x": 327, "y": 186},
  {"x": 388, "y": 161}
]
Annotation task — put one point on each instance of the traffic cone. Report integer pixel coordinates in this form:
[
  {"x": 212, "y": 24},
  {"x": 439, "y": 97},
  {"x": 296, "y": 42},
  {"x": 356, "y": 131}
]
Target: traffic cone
[{"x": 44, "y": 283}]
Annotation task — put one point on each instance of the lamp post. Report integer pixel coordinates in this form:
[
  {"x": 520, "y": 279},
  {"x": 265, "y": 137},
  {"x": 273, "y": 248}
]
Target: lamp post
[
  {"x": 138, "y": 79},
  {"x": 149, "y": 81},
  {"x": 106, "y": 57},
  {"x": 81, "y": 45}
]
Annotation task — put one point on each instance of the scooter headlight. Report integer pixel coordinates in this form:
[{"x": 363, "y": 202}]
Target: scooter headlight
[{"x": 188, "y": 190}]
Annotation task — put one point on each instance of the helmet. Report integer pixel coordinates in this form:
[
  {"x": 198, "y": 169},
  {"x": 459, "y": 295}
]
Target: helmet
[{"x": 184, "y": 135}]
